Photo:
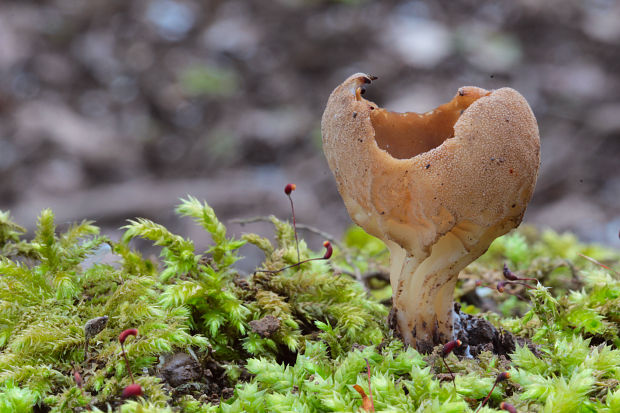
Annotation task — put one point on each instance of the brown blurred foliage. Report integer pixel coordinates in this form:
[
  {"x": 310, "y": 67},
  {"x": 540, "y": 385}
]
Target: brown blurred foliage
[{"x": 111, "y": 109}]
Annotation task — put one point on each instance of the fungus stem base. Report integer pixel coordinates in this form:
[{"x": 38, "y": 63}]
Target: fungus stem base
[{"x": 423, "y": 291}]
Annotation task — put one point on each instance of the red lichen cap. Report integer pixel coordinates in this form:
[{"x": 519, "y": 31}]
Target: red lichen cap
[
  {"x": 129, "y": 332},
  {"x": 133, "y": 390}
]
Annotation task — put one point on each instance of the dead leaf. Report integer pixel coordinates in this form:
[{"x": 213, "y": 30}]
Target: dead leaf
[{"x": 367, "y": 404}]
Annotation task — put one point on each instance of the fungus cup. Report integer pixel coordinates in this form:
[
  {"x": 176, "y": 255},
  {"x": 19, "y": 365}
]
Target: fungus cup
[{"x": 437, "y": 187}]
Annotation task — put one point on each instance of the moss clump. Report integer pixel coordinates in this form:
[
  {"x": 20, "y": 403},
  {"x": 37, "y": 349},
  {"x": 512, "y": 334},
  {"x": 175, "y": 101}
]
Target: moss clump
[
  {"x": 48, "y": 292},
  {"x": 324, "y": 328}
]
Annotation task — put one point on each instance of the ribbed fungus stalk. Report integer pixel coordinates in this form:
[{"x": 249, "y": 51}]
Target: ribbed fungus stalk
[{"x": 437, "y": 187}]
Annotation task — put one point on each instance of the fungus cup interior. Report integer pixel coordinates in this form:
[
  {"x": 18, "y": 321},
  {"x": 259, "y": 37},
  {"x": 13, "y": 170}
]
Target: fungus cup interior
[{"x": 405, "y": 135}]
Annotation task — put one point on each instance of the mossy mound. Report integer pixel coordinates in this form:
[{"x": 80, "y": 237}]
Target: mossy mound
[{"x": 294, "y": 340}]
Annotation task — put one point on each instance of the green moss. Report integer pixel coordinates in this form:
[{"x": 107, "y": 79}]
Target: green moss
[{"x": 330, "y": 325}]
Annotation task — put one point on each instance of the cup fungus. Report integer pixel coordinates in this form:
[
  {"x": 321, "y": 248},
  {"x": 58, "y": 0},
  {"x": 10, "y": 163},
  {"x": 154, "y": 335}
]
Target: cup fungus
[{"x": 437, "y": 187}]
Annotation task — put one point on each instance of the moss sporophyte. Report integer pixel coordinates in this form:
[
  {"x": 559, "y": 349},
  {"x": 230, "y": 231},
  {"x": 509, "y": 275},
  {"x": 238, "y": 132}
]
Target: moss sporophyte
[{"x": 134, "y": 389}]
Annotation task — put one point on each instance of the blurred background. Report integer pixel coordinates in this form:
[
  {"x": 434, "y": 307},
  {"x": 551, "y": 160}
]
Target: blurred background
[{"x": 112, "y": 109}]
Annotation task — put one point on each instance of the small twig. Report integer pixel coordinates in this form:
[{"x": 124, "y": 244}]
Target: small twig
[
  {"x": 309, "y": 228},
  {"x": 86, "y": 341},
  {"x": 328, "y": 254},
  {"x": 592, "y": 260},
  {"x": 500, "y": 288},
  {"x": 379, "y": 275},
  {"x": 347, "y": 255},
  {"x": 251, "y": 220},
  {"x": 323, "y": 234},
  {"x": 356, "y": 274},
  {"x": 502, "y": 284}
]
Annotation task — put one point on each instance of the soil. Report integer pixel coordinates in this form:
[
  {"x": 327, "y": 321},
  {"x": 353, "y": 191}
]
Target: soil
[
  {"x": 266, "y": 326},
  {"x": 478, "y": 335},
  {"x": 180, "y": 369},
  {"x": 206, "y": 381}
]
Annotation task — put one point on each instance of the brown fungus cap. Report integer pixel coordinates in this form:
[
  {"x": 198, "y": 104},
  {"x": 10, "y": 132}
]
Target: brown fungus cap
[{"x": 462, "y": 173}]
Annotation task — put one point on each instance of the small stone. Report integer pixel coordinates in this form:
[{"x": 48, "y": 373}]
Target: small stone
[
  {"x": 227, "y": 393},
  {"x": 180, "y": 369},
  {"x": 266, "y": 326},
  {"x": 91, "y": 329}
]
